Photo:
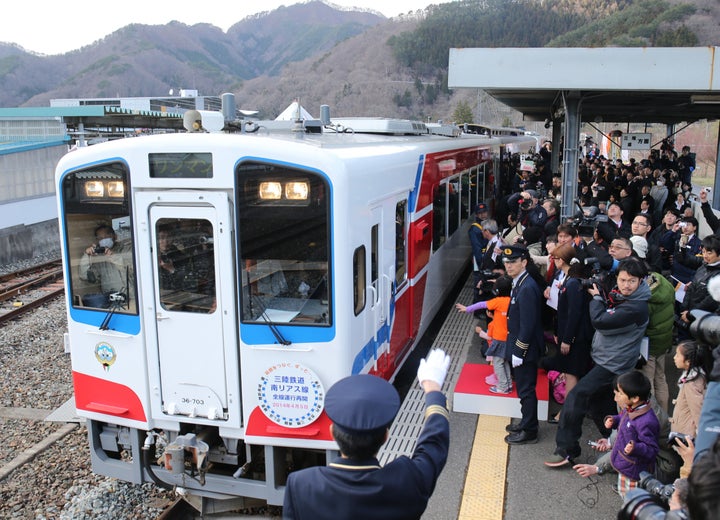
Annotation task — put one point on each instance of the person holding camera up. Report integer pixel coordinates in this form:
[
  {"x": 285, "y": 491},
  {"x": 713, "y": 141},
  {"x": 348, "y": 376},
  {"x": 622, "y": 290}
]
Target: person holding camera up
[
  {"x": 619, "y": 322},
  {"x": 106, "y": 262}
]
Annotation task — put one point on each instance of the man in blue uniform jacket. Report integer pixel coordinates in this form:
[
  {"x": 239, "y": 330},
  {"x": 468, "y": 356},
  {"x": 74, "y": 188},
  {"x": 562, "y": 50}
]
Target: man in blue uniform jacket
[
  {"x": 525, "y": 342},
  {"x": 354, "y": 486}
]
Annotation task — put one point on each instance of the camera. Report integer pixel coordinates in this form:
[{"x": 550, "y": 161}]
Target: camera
[
  {"x": 587, "y": 219},
  {"x": 100, "y": 250},
  {"x": 705, "y": 326},
  {"x": 681, "y": 437},
  {"x": 117, "y": 298},
  {"x": 653, "y": 486},
  {"x": 650, "y": 501},
  {"x": 598, "y": 275},
  {"x": 525, "y": 203},
  {"x": 488, "y": 274}
]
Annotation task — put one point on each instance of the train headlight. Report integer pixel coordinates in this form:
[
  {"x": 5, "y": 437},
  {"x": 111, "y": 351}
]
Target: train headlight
[
  {"x": 296, "y": 190},
  {"x": 94, "y": 189},
  {"x": 116, "y": 189},
  {"x": 270, "y": 190}
]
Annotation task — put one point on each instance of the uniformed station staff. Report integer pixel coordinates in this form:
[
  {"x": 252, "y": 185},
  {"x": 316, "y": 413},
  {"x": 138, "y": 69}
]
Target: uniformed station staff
[{"x": 355, "y": 486}]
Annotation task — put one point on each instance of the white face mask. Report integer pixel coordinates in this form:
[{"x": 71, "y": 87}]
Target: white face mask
[{"x": 106, "y": 242}]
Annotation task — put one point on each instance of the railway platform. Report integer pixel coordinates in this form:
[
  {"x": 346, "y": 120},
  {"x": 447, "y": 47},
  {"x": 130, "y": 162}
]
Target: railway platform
[{"x": 485, "y": 479}]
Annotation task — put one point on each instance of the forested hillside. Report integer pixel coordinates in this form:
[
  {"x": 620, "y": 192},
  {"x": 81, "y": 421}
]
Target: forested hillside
[
  {"x": 539, "y": 23},
  {"x": 357, "y": 62}
]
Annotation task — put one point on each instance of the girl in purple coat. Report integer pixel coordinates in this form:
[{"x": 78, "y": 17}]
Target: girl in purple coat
[{"x": 636, "y": 444}]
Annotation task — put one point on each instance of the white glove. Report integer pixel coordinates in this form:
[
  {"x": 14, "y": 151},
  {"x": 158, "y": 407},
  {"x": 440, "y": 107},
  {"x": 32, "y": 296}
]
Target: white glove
[
  {"x": 516, "y": 361},
  {"x": 434, "y": 367}
]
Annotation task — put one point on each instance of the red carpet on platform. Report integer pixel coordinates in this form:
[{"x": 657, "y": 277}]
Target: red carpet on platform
[{"x": 473, "y": 395}]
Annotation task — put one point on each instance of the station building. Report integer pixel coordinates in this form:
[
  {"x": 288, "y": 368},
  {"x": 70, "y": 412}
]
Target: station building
[{"x": 32, "y": 141}]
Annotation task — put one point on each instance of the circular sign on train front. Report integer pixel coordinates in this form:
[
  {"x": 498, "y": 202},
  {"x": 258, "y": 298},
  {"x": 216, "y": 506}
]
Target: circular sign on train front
[{"x": 291, "y": 395}]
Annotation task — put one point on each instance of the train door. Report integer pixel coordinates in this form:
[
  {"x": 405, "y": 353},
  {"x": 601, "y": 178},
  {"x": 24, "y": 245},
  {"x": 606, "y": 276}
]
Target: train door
[
  {"x": 380, "y": 286},
  {"x": 191, "y": 248}
]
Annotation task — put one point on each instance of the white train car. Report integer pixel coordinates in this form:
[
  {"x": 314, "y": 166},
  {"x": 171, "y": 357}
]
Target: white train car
[{"x": 218, "y": 284}]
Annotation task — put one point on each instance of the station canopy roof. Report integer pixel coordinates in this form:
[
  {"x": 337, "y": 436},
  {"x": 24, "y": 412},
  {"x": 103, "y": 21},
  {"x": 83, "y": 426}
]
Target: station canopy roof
[
  {"x": 633, "y": 84},
  {"x": 93, "y": 116}
]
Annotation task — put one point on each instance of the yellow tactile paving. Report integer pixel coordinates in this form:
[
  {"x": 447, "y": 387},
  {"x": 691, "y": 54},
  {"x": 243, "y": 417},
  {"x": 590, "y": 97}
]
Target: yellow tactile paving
[{"x": 484, "y": 491}]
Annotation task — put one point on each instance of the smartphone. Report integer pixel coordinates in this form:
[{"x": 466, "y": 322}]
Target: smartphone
[{"x": 681, "y": 438}]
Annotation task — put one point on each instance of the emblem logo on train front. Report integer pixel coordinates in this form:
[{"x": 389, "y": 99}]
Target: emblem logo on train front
[
  {"x": 105, "y": 354},
  {"x": 291, "y": 395}
]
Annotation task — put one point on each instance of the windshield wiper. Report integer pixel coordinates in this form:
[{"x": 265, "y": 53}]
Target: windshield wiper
[{"x": 273, "y": 328}]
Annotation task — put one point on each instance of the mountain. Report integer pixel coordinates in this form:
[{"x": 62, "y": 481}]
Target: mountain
[
  {"x": 358, "y": 62},
  {"x": 149, "y": 60}
]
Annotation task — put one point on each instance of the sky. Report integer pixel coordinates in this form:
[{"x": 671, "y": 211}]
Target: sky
[{"x": 53, "y": 27}]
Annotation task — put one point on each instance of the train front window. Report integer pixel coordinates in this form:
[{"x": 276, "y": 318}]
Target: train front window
[
  {"x": 283, "y": 235},
  {"x": 99, "y": 239}
]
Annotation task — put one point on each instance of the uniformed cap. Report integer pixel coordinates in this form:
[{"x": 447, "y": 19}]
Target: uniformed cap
[
  {"x": 362, "y": 403},
  {"x": 481, "y": 207},
  {"x": 514, "y": 252}
]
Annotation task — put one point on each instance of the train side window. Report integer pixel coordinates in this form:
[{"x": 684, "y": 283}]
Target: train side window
[
  {"x": 400, "y": 243},
  {"x": 453, "y": 206},
  {"x": 439, "y": 214},
  {"x": 99, "y": 238},
  {"x": 359, "y": 280},
  {"x": 186, "y": 264},
  {"x": 466, "y": 204}
]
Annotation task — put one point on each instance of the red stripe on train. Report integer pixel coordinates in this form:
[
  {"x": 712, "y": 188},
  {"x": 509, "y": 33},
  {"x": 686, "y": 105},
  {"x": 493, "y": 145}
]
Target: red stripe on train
[{"x": 97, "y": 395}]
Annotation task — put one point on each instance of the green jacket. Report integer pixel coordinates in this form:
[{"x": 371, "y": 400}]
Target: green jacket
[{"x": 662, "y": 313}]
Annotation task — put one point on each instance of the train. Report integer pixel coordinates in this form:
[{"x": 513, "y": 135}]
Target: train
[{"x": 220, "y": 280}]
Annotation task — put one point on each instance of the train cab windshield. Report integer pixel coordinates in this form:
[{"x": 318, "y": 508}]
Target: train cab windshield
[
  {"x": 99, "y": 239},
  {"x": 283, "y": 236}
]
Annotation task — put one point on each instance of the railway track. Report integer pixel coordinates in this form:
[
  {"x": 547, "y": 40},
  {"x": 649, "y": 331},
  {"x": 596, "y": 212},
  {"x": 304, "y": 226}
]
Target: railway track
[{"x": 27, "y": 289}]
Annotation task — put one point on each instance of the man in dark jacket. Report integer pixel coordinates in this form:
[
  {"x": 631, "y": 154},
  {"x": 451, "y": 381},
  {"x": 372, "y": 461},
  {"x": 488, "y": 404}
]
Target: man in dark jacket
[
  {"x": 615, "y": 226},
  {"x": 361, "y": 409},
  {"x": 697, "y": 295},
  {"x": 525, "y": 341},
  {"x": 620, "y": 323}
]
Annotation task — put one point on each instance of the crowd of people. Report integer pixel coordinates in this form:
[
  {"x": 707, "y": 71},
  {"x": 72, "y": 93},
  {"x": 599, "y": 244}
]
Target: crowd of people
[
  {"x": 602, "y": 300},
  {"x": 605, "y": 300}
]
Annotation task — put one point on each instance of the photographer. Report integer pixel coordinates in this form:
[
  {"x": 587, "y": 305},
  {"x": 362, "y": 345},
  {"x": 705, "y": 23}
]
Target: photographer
[
  {"x": 696, "y": 294},
  {"x": 106, "y": 262},
  {"x": 619, "y": 323},
  {"x": 687, "y": 244},
  {"x": 529, "y": 212}
]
